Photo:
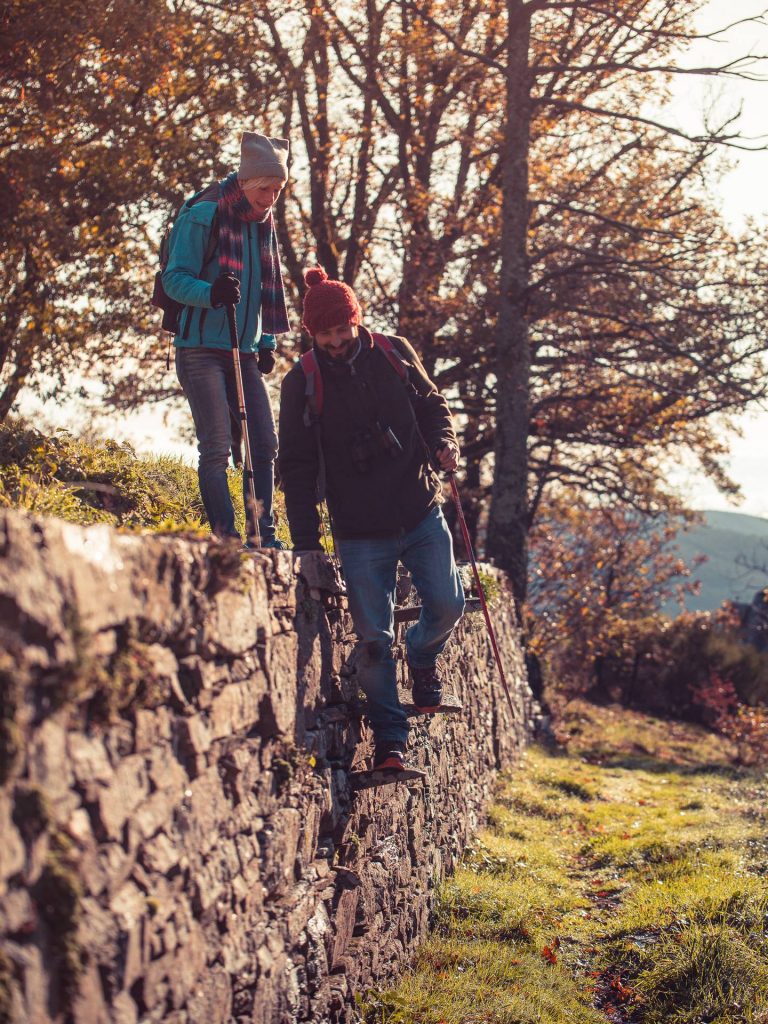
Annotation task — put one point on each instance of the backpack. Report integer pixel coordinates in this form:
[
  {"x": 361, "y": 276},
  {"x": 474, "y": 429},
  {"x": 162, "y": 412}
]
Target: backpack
[{"x": 170, "y": 307}]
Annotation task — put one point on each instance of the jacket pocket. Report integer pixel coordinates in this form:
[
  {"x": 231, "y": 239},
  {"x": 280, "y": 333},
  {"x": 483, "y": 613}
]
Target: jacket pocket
[{"x": 216, "y": 329}]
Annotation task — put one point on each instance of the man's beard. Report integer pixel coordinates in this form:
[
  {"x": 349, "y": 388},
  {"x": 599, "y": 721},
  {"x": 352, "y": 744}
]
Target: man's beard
[{"x": 341, "y": 355}]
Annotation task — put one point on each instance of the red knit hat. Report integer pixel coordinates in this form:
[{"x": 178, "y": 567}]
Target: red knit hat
[{"x": 328, "y": 303}]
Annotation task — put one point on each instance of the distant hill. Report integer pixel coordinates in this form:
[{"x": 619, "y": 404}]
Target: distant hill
[{"x": 724, "y": 537}]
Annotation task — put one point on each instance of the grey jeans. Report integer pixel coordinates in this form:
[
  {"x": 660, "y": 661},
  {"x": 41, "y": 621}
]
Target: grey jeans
[{"x": 207, "y": 377}]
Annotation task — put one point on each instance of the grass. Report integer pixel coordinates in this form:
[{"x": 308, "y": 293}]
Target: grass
[
  {"x": 621, "y": 878},
  {"x": 90, "y": 482}
]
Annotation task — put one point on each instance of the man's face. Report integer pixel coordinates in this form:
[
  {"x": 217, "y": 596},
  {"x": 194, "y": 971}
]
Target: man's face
[
  {"x": 338, "y": 342},
  {"x": 262, "y": 198}
]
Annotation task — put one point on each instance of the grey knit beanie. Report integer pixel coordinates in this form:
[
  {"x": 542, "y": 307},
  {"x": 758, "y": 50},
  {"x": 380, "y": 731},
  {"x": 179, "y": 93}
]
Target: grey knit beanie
[{"x": 261, "y": 157}]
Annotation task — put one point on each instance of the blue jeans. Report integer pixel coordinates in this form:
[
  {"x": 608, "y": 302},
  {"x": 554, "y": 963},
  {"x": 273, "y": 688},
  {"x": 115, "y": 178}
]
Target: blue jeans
[
  {"x": 370, "y": 570},
  {"x": 207, "y": 377}
]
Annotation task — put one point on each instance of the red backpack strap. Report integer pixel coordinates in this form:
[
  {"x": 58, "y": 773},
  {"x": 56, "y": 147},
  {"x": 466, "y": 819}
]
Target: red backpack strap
[
  {"x": 313, "y": 388},
  {"x": 386, "y": 344}
]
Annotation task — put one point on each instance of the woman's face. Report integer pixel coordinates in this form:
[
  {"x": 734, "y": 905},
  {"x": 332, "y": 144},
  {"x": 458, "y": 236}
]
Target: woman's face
[{"x": 262, "y": 197}]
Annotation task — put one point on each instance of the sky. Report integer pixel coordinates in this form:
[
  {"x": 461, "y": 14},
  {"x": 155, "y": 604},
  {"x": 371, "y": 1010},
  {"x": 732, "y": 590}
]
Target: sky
[{"x": 742, "y": 193}]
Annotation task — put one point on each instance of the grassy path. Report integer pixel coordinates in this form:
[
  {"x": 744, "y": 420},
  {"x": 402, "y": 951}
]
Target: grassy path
[{"x": 625, "y": 880}]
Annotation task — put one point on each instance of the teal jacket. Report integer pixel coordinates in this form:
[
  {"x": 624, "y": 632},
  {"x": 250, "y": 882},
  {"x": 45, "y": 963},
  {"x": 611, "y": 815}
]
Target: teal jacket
[{"x": 187, "y": 281}]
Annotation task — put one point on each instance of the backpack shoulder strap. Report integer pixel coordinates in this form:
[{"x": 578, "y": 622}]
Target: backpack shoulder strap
[
  {"x": 211, "y": 194},
  {"x": 313, "y": 407},
  {"x": 386, "y": 344},
  {"x": 213, "y": 241},
  {"x": 313, "y": 388}
]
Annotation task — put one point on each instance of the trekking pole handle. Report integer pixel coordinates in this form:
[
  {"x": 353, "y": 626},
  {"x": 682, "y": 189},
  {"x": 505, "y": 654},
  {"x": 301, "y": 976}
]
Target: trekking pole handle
[{"x": 232, "y": 322}]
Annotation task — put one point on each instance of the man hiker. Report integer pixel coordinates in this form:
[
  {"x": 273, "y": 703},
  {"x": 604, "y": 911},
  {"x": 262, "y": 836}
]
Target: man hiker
[
  {"x": 382, "y": 429},
  {"x": 243, "y": 271}
]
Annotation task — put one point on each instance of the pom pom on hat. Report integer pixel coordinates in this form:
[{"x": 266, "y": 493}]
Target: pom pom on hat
[
  {"x": 316, "y": 275},
  {"x": 328, "y": 303}
]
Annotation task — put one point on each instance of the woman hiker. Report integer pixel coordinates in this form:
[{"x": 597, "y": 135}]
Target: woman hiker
[{"x": 242, "y": 269}]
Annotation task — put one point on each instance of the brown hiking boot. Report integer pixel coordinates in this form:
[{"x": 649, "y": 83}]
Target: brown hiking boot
[
  {"x": 389, "y": 754},
  {"x": 427, "y": 688}
]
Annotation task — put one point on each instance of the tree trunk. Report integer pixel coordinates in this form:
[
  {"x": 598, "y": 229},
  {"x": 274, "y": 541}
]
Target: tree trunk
[{"x": 508, "y": 520}]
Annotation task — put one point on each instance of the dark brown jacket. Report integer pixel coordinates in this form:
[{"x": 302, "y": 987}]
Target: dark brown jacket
[{"x": 394, "y": 493}]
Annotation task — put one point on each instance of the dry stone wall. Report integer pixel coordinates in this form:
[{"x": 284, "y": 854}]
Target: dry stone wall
[{"x": 179, "y": 839}]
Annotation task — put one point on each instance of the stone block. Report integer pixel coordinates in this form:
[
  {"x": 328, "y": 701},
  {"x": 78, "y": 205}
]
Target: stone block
[
  {"x": 211, "y": 1001},
  {"x": 116, "y": 863},
  {"x": 11, "y": 848},
  {"x": 129, "y": 905},
  {"x": 205, "y": 808},
  {"x": 90, "y": 868},
  {"x": 49, "y": 768},
  {"x": 89, "y": 1005},
  {"x": 18, "y": 914},
  {"x": 124, "y": 1009},
  {"x": 166, "y": 773},
  {"x": 279, "y": 840},
  {"x": 159, "y": 854},
  {"x": 235, "y": 621},
  {"x": 151, "y": 728},
  {"x": 89, "y": 759},
  {"x": 281, "y": 669},
  {"x": 31, "y": 998},
  {"x": 189, "y": 973},
  {"x": 120, "y": 799},
  {"x": 236, "y": 708},
  {"x": 152, "y": 814}
]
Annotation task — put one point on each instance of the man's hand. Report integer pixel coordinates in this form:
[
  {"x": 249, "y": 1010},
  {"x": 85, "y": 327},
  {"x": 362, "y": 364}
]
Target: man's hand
[
  {"x": 225, "y": 291},
  {"x": 319, "y": 572},
  {"x": 266, "y": 360},
  {"x": 448, "y": 457}
]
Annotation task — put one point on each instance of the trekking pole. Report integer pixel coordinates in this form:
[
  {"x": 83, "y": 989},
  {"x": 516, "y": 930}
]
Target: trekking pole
[
  {"x": 254, "y": 537},
  {"x": 480, "y": 592}
]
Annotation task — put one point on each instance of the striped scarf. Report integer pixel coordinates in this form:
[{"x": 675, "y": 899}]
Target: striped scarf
[{"x": 234, "y": 209}]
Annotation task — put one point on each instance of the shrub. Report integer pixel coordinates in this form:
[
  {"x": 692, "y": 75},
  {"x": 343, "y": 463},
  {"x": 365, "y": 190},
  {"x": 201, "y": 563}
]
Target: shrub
[
  {"x": 746, "y": 726},
  {"x": 661, "y": 664}
]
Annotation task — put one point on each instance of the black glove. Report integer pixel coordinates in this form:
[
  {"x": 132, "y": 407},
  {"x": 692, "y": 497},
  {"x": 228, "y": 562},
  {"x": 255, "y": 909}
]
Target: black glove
[
  {"x": 266, "y": 360},
  {"x": 225, "y": 291}
]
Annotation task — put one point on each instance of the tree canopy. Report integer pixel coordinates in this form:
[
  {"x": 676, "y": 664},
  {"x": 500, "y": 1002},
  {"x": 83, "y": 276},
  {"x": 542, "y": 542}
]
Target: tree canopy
[{"x": 495, "y": 179}]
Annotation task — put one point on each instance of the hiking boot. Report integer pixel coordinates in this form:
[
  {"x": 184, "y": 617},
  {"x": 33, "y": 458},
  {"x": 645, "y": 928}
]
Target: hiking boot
[
  {"x": 274, "y": 544},
  {"x": 427, "y": 688},
  {"x": 389, "y": 754}
]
